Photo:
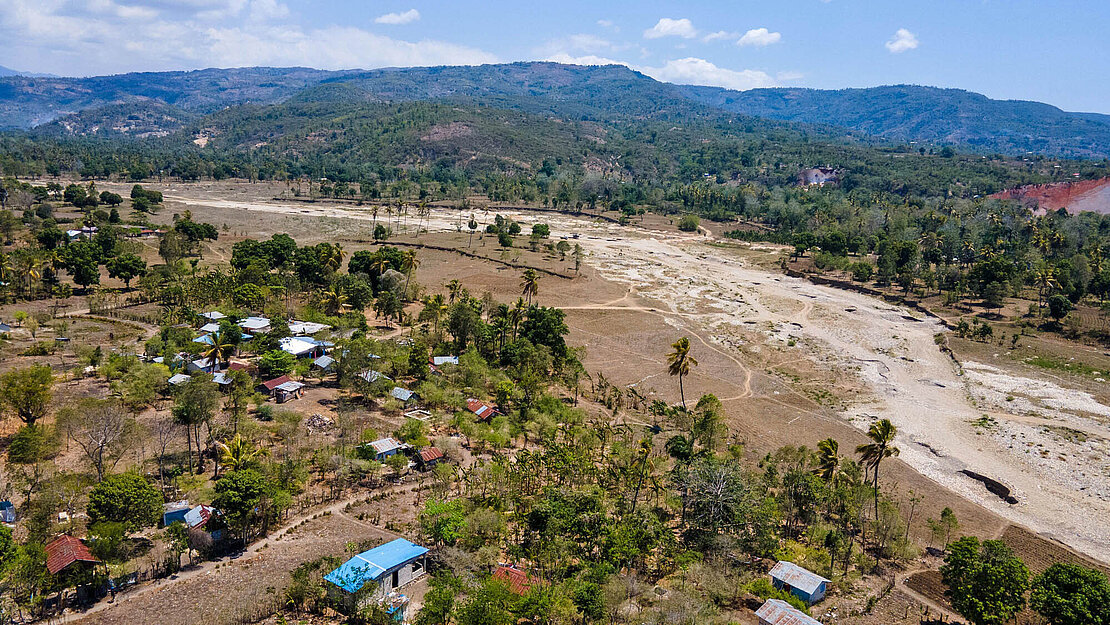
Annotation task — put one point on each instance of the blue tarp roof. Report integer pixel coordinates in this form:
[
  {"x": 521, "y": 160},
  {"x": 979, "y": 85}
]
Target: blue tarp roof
[{"x": 368, "y": 566}]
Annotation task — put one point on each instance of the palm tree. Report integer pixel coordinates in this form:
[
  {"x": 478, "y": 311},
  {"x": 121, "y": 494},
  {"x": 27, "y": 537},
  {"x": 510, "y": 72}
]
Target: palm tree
[
  {"x": 1045, "y": 279},
  {"x": 334, "y": 300},
  {"x": 530, "y": 284},
  {"x": 872, "y": 454},
  {"x": 516, "y": 315},
  {"x": 454, "y": 287},
  {"x": 219, "y": 349},
  {"x": 680, "y": 363},
  {"x": 238, "y": 453},
  {"x": 409, "y": 262},
  {"x": 380, "y": 265},
  {"x": 828, "y": 460},
  {"x": 436, "y": 306}
]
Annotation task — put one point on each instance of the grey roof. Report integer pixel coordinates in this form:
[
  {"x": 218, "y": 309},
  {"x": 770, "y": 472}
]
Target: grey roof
[
  {"x": 179, "y": 378},
  {"x": 402, "y": 394},
  {"x": 215, "y": 315},
  {"x": 445, "y": 360},
  {"x": 778, "y": 612},
  {"x": 324, "y": 362},
  {"x": 290, "y": 387},
  {"x": 373, "y": 376},
  {"x": 797, "y": 577},
  {"x": 210, "y": 327},
  {"x": 5, "y": 328},
  {"x": 386, "y": 445}
]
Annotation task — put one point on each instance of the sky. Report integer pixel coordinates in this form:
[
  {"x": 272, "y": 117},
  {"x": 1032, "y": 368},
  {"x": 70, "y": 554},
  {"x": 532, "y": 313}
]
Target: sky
[{"x": 1054, "y": 51}]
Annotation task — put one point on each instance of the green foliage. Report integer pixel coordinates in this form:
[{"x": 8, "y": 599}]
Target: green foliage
[
  {"x": 689, "y": 223},
  {"x": 26, "y": 392},
  {"x": 985, "y": 581},
  {"x": 762, "y": 588},
  {"x": 442, "y": 521},
  {"x": 1070, "y": 594},
  {"x": 32, "y": 444},
  {"x": 125, "y": 498},
  {"x": 276, "y": 363}
]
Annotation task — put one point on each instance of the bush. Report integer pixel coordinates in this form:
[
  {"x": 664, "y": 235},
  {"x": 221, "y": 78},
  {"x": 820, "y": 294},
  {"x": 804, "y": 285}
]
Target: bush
[
  {"x": 862, "y": 271},
  {"x": 275, "y": 363},
  {"x": 125, "y": 498},
  {"x": 31, "y": 444},
  {"x": 762, "y": 588},
  {"x": 504, "y": 239},
  {"x": 689, "y": 223}
]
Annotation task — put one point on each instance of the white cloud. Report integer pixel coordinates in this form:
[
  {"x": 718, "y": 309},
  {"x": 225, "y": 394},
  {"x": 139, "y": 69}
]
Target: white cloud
[
  {"x": 587, "y": 59},
  {"x": 89, "y": 37},
  {"x": 694, "y": 71},
  {"x": 759, "y": 37},
  {"x": 903, "y": 40},
  {"x": 789, "y": 76},
  {"x": 407, "y": 17},
  {"x": 720, "y": 34},
  {"x": 667, "y": 27}
]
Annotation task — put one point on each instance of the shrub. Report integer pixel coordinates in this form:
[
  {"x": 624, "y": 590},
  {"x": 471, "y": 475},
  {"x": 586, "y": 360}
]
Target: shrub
[
  {"x": 762, "y": 588},
  {"x": 689, "y": 223},
  {"x": 125, "y": 498},
  {"x": 275, "y": 363}
]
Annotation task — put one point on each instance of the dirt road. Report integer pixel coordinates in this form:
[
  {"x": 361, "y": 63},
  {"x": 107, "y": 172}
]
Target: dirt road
[{"x": 713, "y": 292}]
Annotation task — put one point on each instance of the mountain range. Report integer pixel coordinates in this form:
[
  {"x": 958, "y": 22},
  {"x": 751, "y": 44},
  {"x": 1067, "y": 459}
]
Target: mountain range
[{"x": 162, "y": 103}]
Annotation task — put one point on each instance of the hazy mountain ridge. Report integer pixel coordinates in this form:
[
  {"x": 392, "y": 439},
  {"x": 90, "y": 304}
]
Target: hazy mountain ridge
[{"x": 896, "y": 113}]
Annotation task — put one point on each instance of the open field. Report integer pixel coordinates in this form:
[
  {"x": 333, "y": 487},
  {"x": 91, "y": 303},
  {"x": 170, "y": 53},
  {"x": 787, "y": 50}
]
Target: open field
[{"x": 778, "y": 351}]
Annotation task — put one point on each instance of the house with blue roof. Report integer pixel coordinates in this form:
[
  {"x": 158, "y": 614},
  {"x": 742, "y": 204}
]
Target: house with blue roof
[{"x": 388, "y": 567}]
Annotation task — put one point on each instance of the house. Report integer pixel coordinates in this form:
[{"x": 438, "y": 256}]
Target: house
[
  {"x": 245, "y": 367},
  {"x": 7, "y": 512},
  {"x": 439, "y": 361},
  {"x": 374, "y": 376},
  {"x": 174, "y": 512},
  {"x": 385, "y": 447},
  {"x": 403, "y": 394},
  {"x": 818, "y": 176},
  {"x": 222, "y": 378},
  {"x": 778, "y": 612},
  {"x": 255, "y": 325},
  {"x": 483, "y": 410},
  {"x": 202, "y": 365},
  {"x": 213, "y": 316},
  {"x": 198, "y": 516},
  {"x": 283, "y": 389},
  {"x": 518, "y": 581},
  {"x": 65, "y": 552},
  {"x": 389, "y": 566},
  {"x": 428, "y": 458},
  {"x": 301, "y": 348},
  {"x": 301, "y": 328},
  {"x": 5, "y": 328},
  {"x": 806, "y": 585},
  {"x": 324, "y": 363},
  {"x": 179, "y": 378},
  {"x": 209, "y": 328}
]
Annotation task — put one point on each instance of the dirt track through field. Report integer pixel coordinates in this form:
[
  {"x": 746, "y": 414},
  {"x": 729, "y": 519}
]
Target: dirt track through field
[{"x": 712, "y": 293}]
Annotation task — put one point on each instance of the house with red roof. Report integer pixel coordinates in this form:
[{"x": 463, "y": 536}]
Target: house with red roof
[
  {"x": 483, "y": 410},
  {"x": 65, "y": 552},
  {"x": 518, "y": 581},
  {"x": 428, "y": 458}
]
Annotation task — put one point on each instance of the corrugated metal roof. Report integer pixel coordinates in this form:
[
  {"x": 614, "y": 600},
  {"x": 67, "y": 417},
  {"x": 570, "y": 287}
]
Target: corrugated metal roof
[
  {"x": 797, "y": 577},
  {"x": 480, "y": 408},
  {"x": 386, "y": 445},
  {"x": 370, "y": 565},
  {"x": 519, "y": 581},
  {"x": 64, "y": 551},
  {"x": 431, "y": 453},
  {"x": 179, "y": 378},
  {"x": 276, "y": 382},
  {"x": 777, "y": 612},
  {"x": 324, "y": 362},
  {"x": 198, "y": 516},
  {"x": 445, "y": 360},
  {"x": 402, "y": 394}
]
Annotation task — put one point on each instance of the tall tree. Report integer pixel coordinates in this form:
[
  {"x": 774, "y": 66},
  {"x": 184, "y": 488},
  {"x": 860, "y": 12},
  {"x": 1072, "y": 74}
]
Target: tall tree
[
  {"x": 1070, "y": 594},
  {"x": 530, "y": 284},
  {"x": 881, "y": 447},
  {"x": 27, "y": 392},
  {"x": 985, "y": 581},
  {"x": 828, "y": 460},
  {"x": 680, "y": 363}
]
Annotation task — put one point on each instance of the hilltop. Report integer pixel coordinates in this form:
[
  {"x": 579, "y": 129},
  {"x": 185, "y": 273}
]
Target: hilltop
[{"x": 927, "y": 115}]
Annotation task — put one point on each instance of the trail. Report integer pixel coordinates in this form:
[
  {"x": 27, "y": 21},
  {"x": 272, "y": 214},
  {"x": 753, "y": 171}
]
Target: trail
[{"x": 713, "y": 293}]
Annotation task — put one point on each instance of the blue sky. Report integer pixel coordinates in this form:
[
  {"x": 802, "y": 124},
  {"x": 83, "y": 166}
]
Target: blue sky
[{"x": 1053, "y": 51}]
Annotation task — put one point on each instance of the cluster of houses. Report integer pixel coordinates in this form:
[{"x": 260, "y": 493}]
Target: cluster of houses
[{"x": 423, "y": 459}]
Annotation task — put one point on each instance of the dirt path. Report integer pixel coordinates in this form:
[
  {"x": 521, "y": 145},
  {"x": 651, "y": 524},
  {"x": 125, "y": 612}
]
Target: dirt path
[
  {"x": 188, "y": 595},
  {"x": 714, "y": 294}
]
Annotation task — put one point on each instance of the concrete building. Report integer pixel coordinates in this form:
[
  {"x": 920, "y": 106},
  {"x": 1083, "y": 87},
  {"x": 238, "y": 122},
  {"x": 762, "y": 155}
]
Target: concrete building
[{"x": 389, "y": 567}]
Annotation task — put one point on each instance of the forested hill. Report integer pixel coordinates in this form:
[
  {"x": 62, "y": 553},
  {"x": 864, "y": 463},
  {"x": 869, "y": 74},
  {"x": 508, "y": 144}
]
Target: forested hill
[{"x": 927, "y": 115}]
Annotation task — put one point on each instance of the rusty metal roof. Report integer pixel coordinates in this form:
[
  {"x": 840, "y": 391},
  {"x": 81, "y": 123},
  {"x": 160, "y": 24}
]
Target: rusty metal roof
[
  {"x": 797, "y": 577},
  {"x": 64, "y": 551},
  {"x": 518, "y": 581},
  {"x": 431, "y": 453},
  {"x": 778, "y": 612}
]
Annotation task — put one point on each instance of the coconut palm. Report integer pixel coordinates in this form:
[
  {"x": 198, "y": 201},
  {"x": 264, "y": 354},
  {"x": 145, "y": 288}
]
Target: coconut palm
[
  {"x": 530, "y": 284},
  {"x": 828, "y": 460},
  {"x": 454, "y": 288},
  {"x": 239, "y": 453},
  {"x": 872, "y": 454},
  {"x": 334, "y": 301},
  {"x": 219, "y": 349},
  {"x": 435, "y": 305},
  {"x": 409, "y": 263},
  {"x": 1045, "y": 279},
  {"x": 680, "y": 363},
  {"x": 516, "y": 314}
]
